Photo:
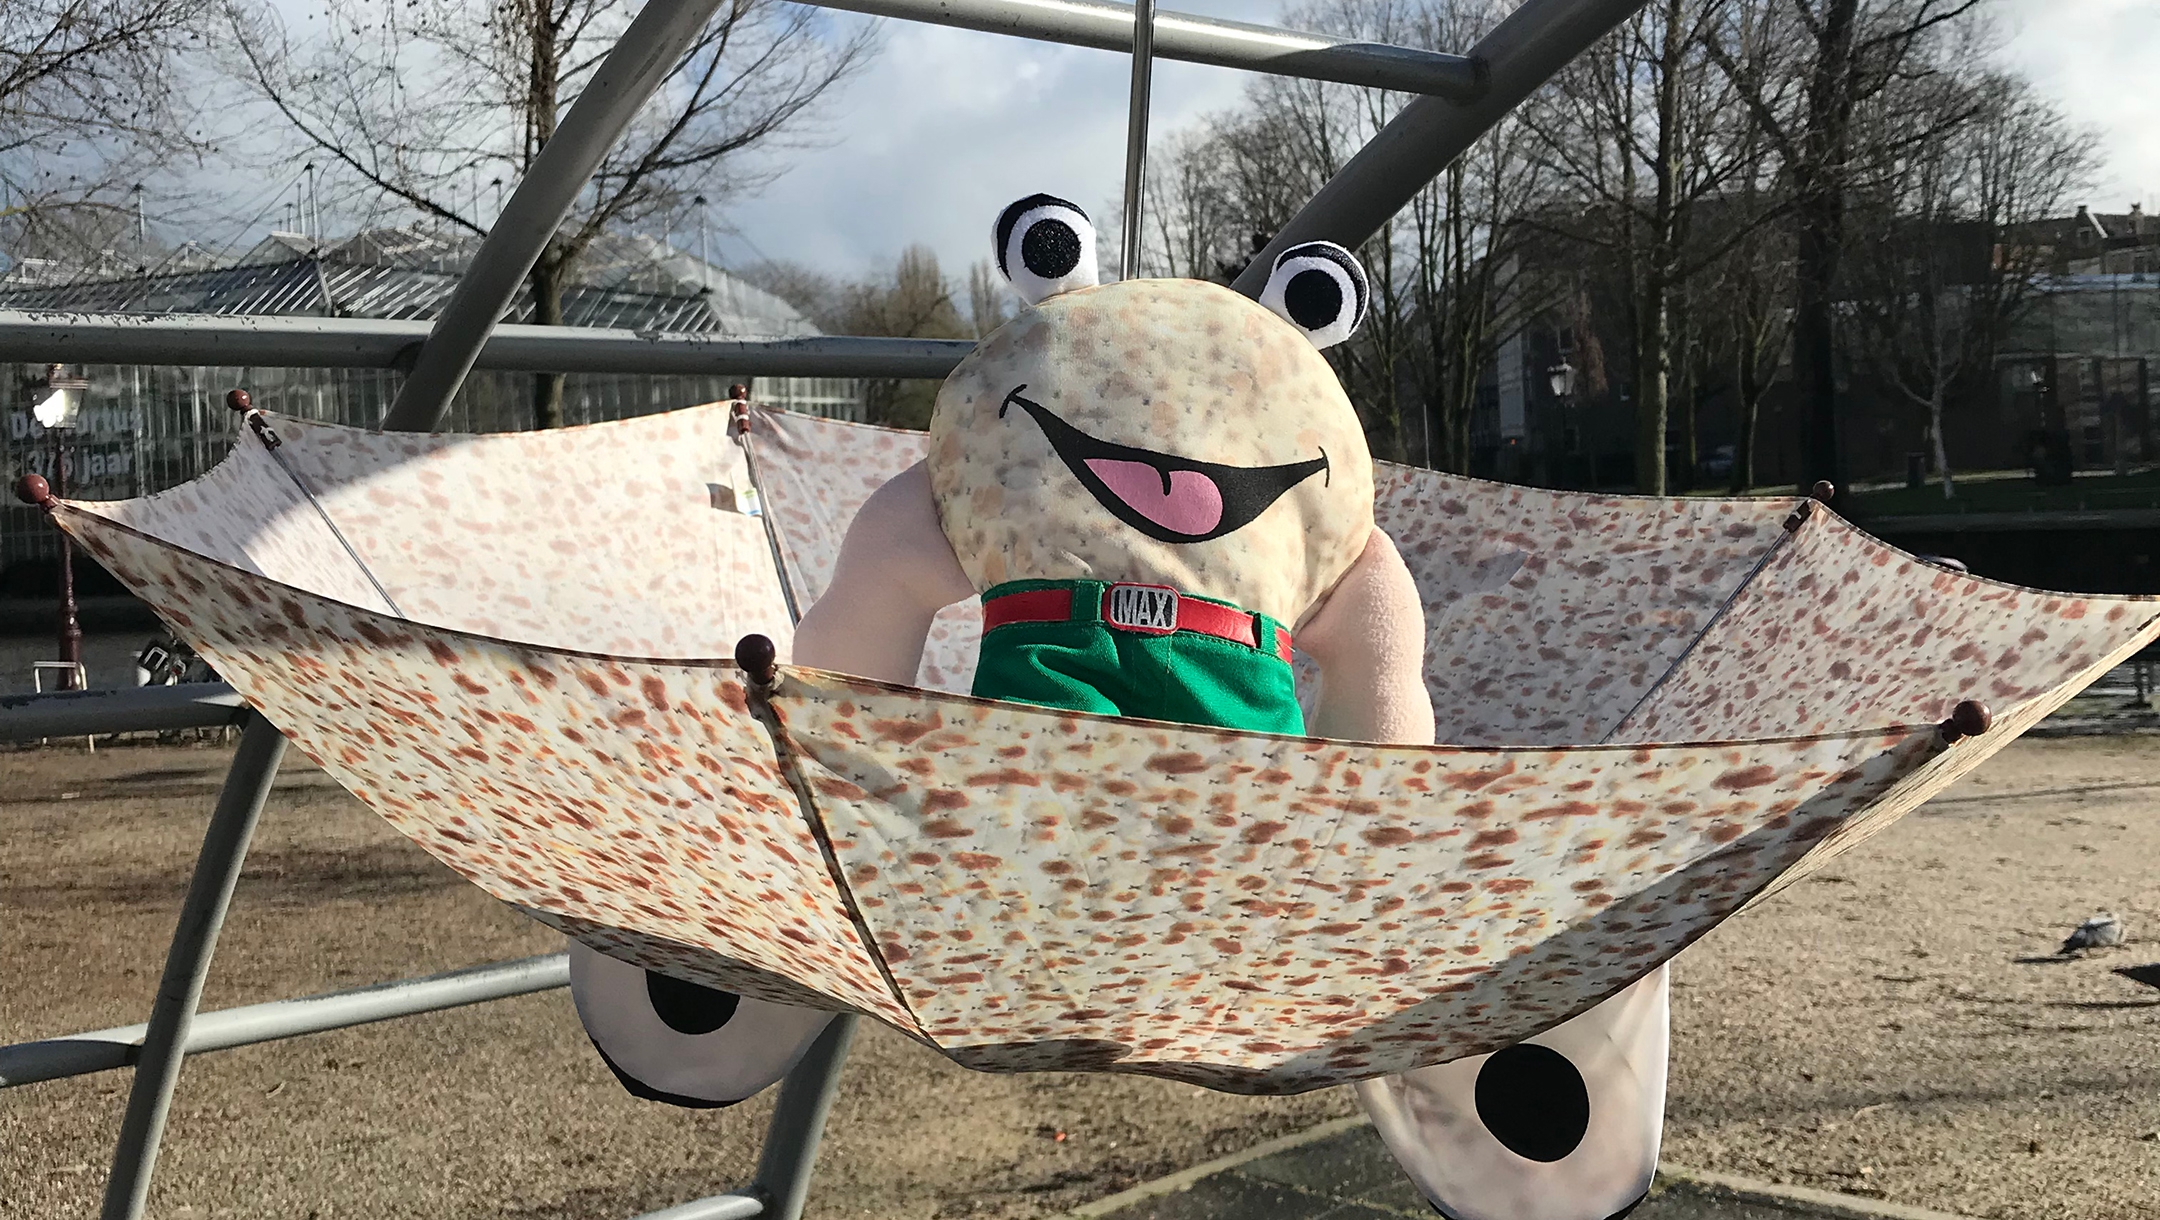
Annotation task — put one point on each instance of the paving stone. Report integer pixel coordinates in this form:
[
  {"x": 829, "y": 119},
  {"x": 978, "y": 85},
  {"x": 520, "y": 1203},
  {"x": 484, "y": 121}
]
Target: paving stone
[
  {"x": 1233, "y": 1195},
  {"x": 1348, "y": 1165},
  {"x": 1399, "y": 1195},
  {"x": 1359, "y": 1211}
]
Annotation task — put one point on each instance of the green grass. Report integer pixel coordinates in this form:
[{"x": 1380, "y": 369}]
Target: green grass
[{"x": 2011, "y": 492}]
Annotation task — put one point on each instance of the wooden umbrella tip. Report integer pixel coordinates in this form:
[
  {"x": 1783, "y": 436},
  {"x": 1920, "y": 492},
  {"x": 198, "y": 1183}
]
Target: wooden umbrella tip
[
  {"x": 1969, "y": 718},
  {"x": 1824, "y": 490},
  {"x": 757, "y": 657},
  {"x": 239, "y": 400},
  {"x": 33, "y": 489}
]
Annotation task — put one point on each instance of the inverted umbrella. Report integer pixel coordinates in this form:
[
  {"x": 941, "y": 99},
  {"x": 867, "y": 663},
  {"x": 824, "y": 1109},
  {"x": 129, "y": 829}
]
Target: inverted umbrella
[{"x": 519, "y": 650}]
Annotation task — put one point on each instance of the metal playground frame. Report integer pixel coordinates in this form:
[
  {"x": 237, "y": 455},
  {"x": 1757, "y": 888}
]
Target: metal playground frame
[{"x": 1459, "y": 98}]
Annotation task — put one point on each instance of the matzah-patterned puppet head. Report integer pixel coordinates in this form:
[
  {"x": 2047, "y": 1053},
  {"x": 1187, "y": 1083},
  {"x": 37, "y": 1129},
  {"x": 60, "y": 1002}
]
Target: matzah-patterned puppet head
[{"x": 1161, "y": 432}]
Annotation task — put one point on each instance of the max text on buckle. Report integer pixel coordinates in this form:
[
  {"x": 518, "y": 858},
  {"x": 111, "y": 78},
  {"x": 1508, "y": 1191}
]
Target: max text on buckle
[{"x": 1148, "y": 608}]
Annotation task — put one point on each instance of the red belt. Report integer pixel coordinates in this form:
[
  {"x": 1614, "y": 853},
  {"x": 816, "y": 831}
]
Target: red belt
[{"x": 1142, "y": 609}]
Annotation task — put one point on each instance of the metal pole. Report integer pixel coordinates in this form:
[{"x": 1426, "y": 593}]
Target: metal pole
[
  {"x": 644, "y": 56},
  {"x": 192, "y": 340},
  {"x": 1522, "y": 53},
  {"x": 1199, "y": 40},
  {"x": 798, "y": 1122},
  {"x": 1136, "y": 117},
  {"x": 104, "y": 1049},
  {"x": 135, "y": 709},
  {"x": 70, "y": 626},
  {"x": 187, "y": 963}
]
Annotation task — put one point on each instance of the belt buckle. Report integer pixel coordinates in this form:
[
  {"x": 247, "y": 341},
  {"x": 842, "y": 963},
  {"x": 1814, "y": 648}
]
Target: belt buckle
[{"x": 1143, "y": 609}]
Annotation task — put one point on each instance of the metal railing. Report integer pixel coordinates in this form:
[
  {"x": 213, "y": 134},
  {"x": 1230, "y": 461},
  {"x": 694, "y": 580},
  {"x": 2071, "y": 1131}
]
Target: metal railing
[
  {"x": 1460, "y": 98},
  {"x": 384, "y": 343}
]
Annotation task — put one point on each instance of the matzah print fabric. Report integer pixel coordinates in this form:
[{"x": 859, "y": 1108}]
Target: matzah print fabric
[{"x": 1657, "y": 712}]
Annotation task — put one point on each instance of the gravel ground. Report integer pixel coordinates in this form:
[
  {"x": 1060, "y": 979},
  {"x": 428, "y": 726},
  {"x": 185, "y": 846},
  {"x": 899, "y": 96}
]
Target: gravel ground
[{"x": 1895, "y": 1027}]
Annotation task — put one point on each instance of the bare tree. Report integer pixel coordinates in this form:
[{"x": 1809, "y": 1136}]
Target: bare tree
[
  {"x": 989, "y": 303},
  {"x": 912, "y": 301},
  {"x": 1938, "y": 282},
  {"x": 1444, "y": 284},
  {"x": 1804, "y": 70},
  {"x": 1643, "y": 134},
  {"x": 1474, "y": 284},
  {"x": 418, "y": 104},
  {"x": 1748, "y": 299},
  {"x": 1193, "y": 219},
  {"x": 90, "y": 102}
]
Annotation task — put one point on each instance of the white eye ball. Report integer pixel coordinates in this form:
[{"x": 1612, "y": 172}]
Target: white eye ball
[
  {"x": 1564, "y": 1126},
  {"x": 679, "y": 1043},
  {"x": 1045, "y": 246},
  {"x": 1318, "y": 287}
]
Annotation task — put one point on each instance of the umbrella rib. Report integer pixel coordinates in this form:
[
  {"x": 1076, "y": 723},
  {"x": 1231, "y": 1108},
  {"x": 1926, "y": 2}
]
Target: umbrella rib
[
  {"x": 270, "y": 446},
  {"x": 761, "y": 706},
  {"x": 1770, "y": 552},
  {"x": 765, "y": 514}
]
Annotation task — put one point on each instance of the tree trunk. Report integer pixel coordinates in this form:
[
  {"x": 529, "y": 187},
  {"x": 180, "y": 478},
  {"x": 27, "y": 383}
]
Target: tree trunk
[
  {"x": 1814, "y": 340},
  {"x": 546, "y": 281},
  {"x": 1653, "y": 376},
  {"x": 1743, "y": 466},
  {"x": 1942, "y": 455},
  {"x": 1819, "y": 237},
  {"x": 548, "y": 274},
  {"x": 1653, "y": 347},
  {"x": 1747, "y": 381}
]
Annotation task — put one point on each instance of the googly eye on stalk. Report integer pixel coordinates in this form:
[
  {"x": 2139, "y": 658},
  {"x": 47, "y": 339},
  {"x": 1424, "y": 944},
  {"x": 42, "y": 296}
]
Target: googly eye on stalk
[
  {"x": 1320, "y": 288},
  {"x": 1045, "y": 246},
  {"x": 677, "y": 1042}
]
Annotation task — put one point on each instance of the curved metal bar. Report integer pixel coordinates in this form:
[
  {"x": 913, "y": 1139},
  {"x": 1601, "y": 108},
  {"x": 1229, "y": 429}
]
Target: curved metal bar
[
  {"x": 1522, "y": 53},
  {"x": 1199, "y": 40},
  {"x": 633, "y": 70},
  {"x": 798, "y": 1121},
  {"x": 187, "y": 964}
]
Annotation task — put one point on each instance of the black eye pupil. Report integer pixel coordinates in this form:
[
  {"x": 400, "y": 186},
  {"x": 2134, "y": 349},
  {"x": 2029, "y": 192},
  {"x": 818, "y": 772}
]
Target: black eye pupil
[
  {"x": 688, "y": 1008},
  {"x": 1534, "y": 1102},
  {"x": 1313, "y": 298},
  {"x": 1050, "y": 249}
]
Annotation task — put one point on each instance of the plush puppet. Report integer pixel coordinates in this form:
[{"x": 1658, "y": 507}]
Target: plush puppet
[{"x": 1157, "y": 489}]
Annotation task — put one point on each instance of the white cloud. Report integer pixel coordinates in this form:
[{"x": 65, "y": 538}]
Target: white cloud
[
  {"x": 948, "y": 126},
  {"x": 2095, "y": 59}
]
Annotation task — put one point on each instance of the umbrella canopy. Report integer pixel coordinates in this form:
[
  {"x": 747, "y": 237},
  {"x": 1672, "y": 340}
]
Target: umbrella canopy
[{"x": 515, "y": 648}]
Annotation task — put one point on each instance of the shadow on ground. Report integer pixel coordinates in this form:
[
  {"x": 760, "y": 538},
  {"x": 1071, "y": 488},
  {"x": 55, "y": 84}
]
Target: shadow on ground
[{"x": 1349, "y": 1176}]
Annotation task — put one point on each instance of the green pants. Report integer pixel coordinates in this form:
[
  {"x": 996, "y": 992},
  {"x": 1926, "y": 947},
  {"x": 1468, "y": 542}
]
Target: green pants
[{"x": 1086, "y": 664}]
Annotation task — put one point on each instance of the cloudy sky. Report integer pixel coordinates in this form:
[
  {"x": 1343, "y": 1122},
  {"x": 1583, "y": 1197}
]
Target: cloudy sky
[
  {"x": 2098, "y": 59},
  {"x": 946, "y": 126},
  {"x": 949, "y": 125}
]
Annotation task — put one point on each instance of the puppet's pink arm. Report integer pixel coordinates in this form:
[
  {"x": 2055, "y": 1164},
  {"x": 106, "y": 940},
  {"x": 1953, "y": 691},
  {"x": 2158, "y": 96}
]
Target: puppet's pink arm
[
  {"x": 895, "y": 572},
  {"x": 1368, "y": 636}
]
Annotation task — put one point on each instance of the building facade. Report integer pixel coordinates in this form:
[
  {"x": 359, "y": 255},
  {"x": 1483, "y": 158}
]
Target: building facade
[{"x": 144, "y": 429}]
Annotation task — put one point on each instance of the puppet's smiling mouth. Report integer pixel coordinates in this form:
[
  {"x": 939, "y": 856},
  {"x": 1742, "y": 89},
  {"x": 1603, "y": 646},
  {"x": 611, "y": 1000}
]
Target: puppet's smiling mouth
[{"x": 1166, "y": 497}]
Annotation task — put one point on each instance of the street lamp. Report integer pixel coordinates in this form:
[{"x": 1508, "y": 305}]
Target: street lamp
[
  {"x": 57, "y": 404},
  {"x": 1561, "y": 377}
]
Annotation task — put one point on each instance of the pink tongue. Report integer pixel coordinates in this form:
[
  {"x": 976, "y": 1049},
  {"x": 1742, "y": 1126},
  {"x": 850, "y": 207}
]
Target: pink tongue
[{"x": 1193, "y": 505}]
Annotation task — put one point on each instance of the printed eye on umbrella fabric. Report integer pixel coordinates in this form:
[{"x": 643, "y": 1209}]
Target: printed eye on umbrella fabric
[{"x": 1655, "y": 712}]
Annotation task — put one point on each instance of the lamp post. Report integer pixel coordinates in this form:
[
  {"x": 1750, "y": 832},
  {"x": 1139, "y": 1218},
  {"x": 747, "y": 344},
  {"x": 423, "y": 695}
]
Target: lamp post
[
  {"x": 1560, "y": 378},
  {"x": 58, "y": 404}
]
